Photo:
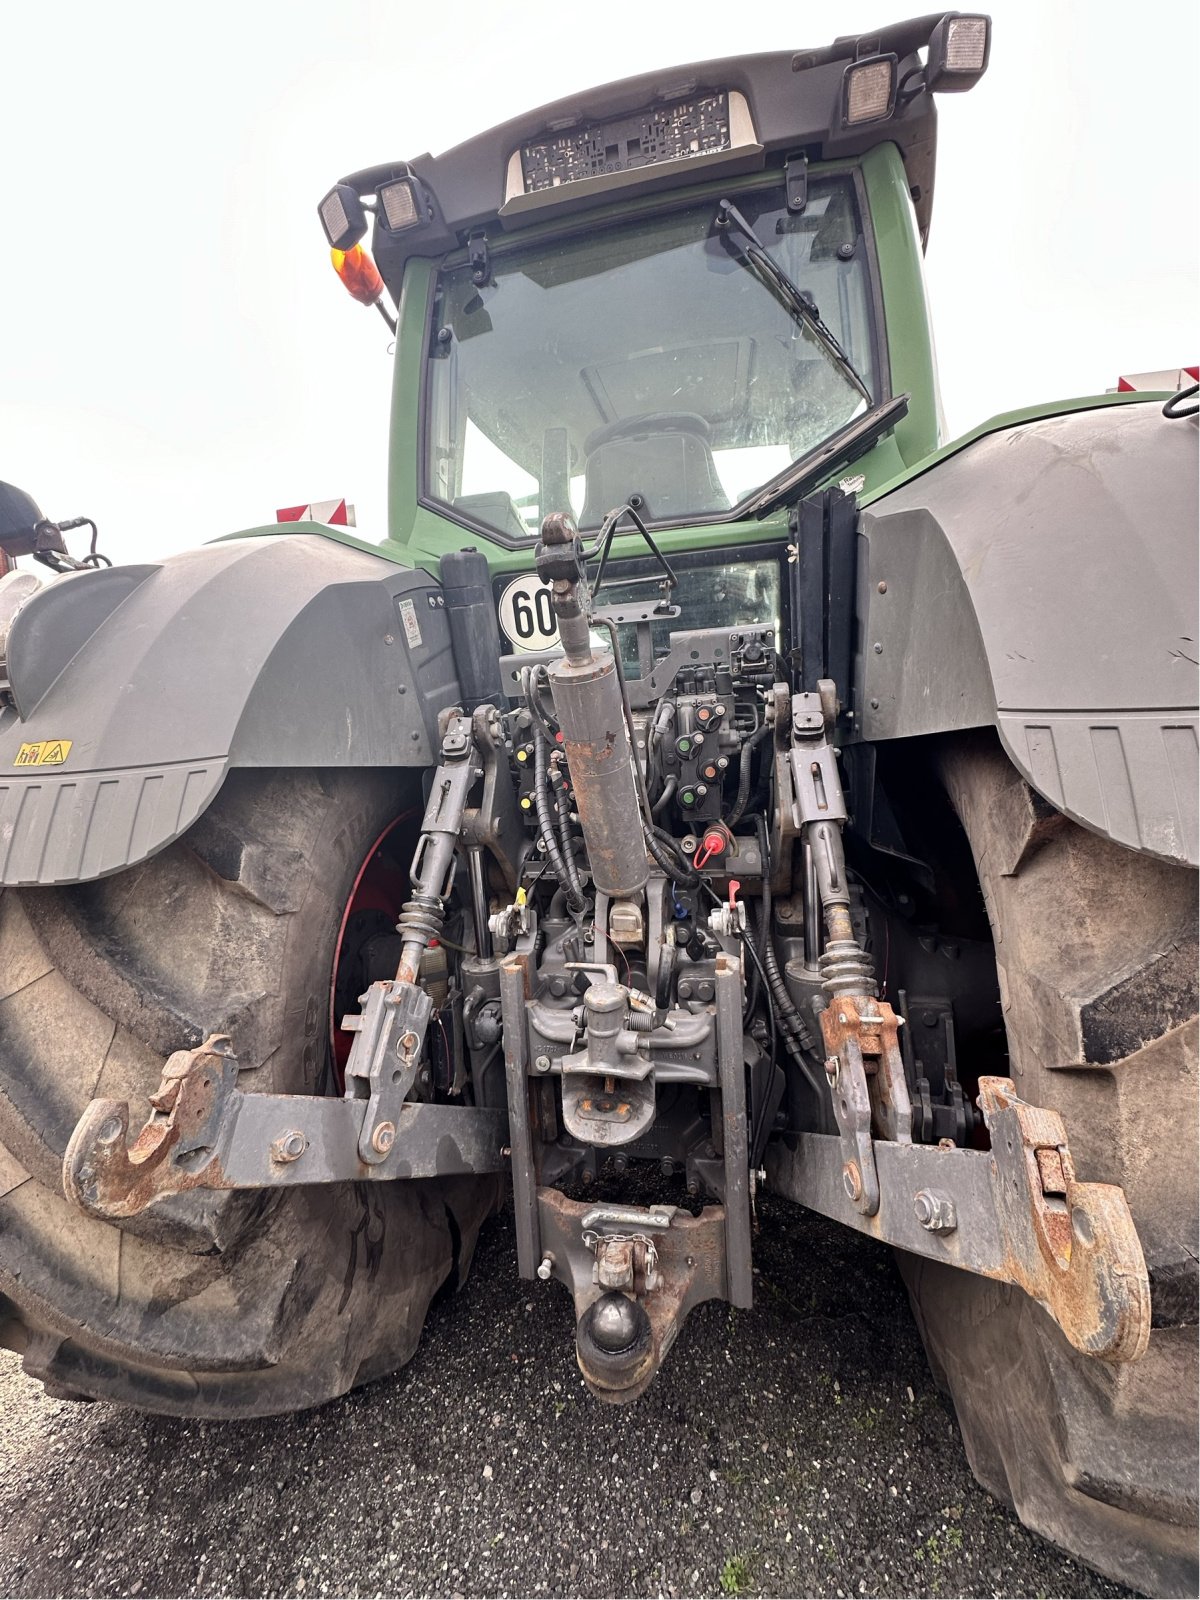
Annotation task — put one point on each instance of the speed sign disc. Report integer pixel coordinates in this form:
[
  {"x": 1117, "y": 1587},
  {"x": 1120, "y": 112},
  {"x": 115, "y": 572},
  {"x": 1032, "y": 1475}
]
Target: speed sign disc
[{"x": 527, "y": 615}]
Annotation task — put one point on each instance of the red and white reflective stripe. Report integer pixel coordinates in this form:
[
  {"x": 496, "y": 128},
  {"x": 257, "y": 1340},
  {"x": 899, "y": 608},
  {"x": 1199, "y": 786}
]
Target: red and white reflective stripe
[
  {"x": 336, "y": 513},
  {"x": 1170, "y": 381}
]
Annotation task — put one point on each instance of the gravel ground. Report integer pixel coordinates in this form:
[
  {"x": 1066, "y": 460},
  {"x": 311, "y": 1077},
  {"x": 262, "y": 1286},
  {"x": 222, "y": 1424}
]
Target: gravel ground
[{"x": 797, "y": 1449}]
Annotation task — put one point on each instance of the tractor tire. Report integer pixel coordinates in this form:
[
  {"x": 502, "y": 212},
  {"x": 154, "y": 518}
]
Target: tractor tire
[
  {"x": 1096, "y": 957},
  {"x": 219, "y": 1304}
]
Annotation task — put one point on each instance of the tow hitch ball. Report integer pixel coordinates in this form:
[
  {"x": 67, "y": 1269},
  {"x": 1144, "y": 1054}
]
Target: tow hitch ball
[{"x": 635, "y": 1273}]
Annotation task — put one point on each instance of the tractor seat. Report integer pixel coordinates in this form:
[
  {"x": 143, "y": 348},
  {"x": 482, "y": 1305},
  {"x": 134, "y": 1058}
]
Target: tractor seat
[{"x": 665, "y": 457}]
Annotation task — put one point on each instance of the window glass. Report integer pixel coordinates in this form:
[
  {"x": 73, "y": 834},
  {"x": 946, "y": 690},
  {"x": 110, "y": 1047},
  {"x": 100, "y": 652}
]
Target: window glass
[
  {"x": 645, "y": 359},
  {"x": 730, "y": 594}
]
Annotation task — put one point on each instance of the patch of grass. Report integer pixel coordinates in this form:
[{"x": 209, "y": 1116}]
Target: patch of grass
[
  {"x": 939, "y": 1546},
  {"x": 867, "y": 1420},
  {"x": 802, "y": 1480},
  {"x": 735, "y": 1576}
]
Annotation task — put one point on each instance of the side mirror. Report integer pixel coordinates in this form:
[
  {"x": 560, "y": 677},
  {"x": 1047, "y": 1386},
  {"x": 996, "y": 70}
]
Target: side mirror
[{"x": 19, "y": 519}]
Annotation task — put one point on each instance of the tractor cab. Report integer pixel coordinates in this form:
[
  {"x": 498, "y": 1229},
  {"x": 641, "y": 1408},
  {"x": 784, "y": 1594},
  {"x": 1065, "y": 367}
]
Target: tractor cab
[{"x": 695, "y": 292}]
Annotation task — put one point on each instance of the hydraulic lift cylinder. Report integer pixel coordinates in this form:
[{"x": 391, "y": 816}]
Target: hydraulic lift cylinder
[
  {"x": 591, "y": 714},
  {"x": 587, "y": 700}
]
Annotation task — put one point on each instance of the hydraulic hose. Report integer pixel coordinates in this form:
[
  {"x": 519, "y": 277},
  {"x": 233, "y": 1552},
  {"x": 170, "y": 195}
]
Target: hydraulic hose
[
  {"x": 743, "y": 789},
  {"x": 663, "y": 720},
  {"x": 791, "y": 1025},
  {"x": 541, "y": 801},
  {"x": 791, "y": 1022},
  {"x": 757, "y": 970},
  {"x": 665, "y": 798},
  {"x": 756, "y": 967},
  {"x": 531, "y": 691},
  {"x": 763, "y": 849},
  {"x": 567, "y": 845},
  {"x": 1175, "y": 407},
  {"x": 753, "y": 990},
  {"x": 662, "y": 847}
]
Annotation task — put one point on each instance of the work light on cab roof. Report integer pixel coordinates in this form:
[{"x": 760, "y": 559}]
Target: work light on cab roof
[
  {"x": 658, "y": 130},
  {"x": 343, "y": 213}
]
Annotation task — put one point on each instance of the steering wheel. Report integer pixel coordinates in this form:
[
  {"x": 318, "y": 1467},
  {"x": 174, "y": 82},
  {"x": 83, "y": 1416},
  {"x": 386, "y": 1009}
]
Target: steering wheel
[{"x": 648, "y": 422}]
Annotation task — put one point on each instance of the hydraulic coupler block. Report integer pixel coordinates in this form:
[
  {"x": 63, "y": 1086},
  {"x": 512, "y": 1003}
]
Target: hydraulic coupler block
[{"x": 591, "y": 713}]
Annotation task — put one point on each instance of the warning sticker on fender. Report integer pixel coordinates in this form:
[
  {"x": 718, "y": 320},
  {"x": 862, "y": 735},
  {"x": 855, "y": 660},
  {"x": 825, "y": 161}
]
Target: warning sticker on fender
[
  {"x": 45, "y": 753},
  {"x": 412, "y": 628}
]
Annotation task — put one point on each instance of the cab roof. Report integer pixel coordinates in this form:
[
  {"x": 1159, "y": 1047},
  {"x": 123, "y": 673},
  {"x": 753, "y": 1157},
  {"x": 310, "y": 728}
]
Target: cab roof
[{"x": 795, "y": 102}]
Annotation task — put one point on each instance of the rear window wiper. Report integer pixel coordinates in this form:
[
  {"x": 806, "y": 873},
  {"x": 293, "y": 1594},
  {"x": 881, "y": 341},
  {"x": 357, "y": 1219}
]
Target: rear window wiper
[
  {"x": 740, "y": 238},
  {"x": 845, "y": 446}
]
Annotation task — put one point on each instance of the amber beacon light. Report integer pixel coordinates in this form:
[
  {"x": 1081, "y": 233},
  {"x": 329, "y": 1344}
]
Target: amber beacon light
[{"x": 361, "y": 278}]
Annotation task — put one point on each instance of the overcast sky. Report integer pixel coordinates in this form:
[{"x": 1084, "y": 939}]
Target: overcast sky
[{"x": 179, "y": 359}]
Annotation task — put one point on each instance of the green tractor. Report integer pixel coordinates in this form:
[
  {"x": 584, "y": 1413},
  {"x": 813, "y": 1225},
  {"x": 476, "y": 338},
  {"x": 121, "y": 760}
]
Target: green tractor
[{"x": 715, "y": 780}]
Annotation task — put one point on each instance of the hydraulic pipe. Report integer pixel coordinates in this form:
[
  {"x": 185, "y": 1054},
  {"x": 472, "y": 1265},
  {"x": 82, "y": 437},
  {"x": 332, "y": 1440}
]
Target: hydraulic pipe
[{"x": 479, "y": 904}]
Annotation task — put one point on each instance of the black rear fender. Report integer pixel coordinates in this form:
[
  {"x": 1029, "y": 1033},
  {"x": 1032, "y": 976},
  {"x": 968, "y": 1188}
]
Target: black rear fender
[
  {"x": 1043, "y": 579},
  {"x": 135, "y": 690}
]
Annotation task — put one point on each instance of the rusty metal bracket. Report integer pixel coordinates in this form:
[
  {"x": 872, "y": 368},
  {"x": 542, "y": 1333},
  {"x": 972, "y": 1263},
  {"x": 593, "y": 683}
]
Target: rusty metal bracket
[
  {"x": 1072, "y": 1245},
  {"x": 852, "y": 1109},
  {"x": 866, "y": 1078},
  {"x": 1015, "y": 1213},
  {"x": 388, "y": 1036},
  {"x": 204, "y": 1133}
]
